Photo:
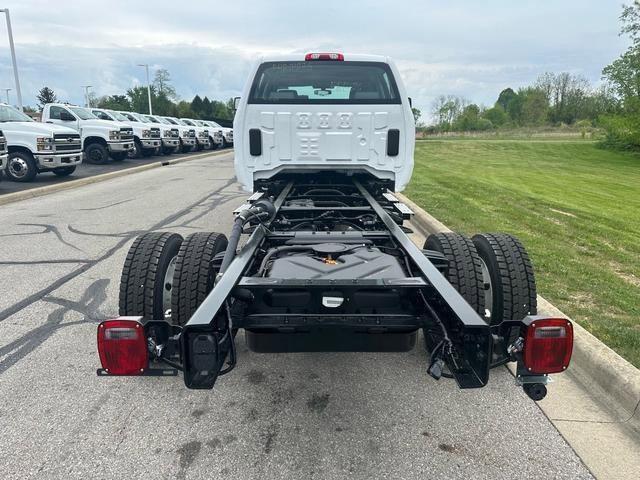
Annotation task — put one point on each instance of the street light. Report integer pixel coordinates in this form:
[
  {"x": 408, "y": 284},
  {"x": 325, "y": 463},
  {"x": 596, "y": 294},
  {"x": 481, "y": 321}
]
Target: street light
[
  {"x": 146, "y": 66},
  {"x": 7, "y": 90},
  {"x": 13, "y": 57},
  {"x": 86, "y": 94}
]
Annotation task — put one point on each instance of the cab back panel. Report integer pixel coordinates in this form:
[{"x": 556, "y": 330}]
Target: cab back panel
[{"x": 310, "y": 136}]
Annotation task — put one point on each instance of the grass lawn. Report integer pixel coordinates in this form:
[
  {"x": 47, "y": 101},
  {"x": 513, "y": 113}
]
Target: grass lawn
[{"x": 576, "y": 208}]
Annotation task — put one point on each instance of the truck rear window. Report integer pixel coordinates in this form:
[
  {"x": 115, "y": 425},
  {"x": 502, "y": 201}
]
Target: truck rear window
[{"x": 324, "y": 82}]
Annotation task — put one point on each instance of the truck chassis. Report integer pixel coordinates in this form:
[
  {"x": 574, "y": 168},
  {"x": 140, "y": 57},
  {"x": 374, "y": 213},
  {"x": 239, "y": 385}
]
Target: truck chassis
[{"x": 328, "y": 266}]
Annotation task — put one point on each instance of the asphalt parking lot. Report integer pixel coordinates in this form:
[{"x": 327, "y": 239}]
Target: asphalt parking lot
[
  {"x": 291, "y": 416},
  {"x": 83, "y": 171}
]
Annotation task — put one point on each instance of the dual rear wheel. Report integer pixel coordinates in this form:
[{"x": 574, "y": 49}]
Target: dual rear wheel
[
  {"x": 492, "y": 272},
  {"x": 167, "y": 277}
]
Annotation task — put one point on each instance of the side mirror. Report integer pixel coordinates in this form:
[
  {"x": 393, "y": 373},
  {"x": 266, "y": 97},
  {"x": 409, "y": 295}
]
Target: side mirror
[
  {"x": 65, "y": 116},
  {"x": 236, "y": 103},
  {"x": 410, "y": 102}
]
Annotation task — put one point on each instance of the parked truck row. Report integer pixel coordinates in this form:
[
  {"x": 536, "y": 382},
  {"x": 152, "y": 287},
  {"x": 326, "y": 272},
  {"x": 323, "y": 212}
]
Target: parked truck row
[{"x": 69, "y": 134}]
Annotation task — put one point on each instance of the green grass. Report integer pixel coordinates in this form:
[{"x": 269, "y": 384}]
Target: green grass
[{"x": 575, "y": 206}]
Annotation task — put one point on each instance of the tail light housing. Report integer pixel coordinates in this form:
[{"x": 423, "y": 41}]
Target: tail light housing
[
  {"x": 324, "y": 56},
  {"x": 548, "y": 345},
  {"x": 122, "y": 346}
]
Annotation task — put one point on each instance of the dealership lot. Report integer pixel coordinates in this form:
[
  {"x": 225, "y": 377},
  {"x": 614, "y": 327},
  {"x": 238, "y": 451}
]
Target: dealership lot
[
  {"x": 86, "y": 170},
  {"x": 313, "y": 415}
]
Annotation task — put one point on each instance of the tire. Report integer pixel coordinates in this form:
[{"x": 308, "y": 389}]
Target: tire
[
  {"x": 148, "y": 152},
  {"x": 146, "y": 281},
  {"x": 465, "y": 269},
  {"x": 212, "y": 144},
  {"x": 137, "y": 149},
  {"x": 119, "y": 156},
  {"x": 96, "y": 154},
  {"x": 195, "y": 273},
  {"x": 21, "y": 167},
  {"x": 510, "y": 283},
  {"x": 64, "y": 171},
  {"x": 184, "y": 148},
  {"x": 224, "y": 143}
]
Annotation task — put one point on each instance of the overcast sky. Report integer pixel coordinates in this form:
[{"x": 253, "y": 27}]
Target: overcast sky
[{"x": 468, "y": 48}]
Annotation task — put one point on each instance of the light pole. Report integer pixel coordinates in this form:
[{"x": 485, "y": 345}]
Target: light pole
[
  {"x": 13, "y": 57},
  {"x": 146, "y": 66},
  {"x": 86, "y": 94},
  {"x": 7, "y": 90}
]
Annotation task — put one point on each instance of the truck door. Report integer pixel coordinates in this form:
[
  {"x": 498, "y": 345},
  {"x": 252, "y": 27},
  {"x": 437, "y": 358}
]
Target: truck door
[{"x": 62, "y": 116}]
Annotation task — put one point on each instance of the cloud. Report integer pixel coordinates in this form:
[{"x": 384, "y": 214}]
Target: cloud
[{"x": 468, "y": 48}]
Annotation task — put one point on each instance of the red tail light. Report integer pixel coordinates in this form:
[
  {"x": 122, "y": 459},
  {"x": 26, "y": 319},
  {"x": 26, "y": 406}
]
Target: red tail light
[
  {"x": 324, "y": 56},
  {"x": 548, "y": 345},
  {"x": 122, "y": 346}
]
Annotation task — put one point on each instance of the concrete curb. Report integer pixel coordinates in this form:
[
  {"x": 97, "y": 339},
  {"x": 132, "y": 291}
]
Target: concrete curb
[
  {"x": 594, "y": 362},
  {"x": 40, "y": 191}
]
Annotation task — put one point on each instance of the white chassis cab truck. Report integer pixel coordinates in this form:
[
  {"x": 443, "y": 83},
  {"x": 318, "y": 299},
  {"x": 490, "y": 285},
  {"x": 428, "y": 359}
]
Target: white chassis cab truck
[
  {"x": 100, "y": 138},
  {"x": 202, "y": 133},
  {"x": 170, "y": 134},
  {"x": 215, "y": 134},
  {"x": 3, "y": 152},
  {"x": 188, "y": 141},
  {"x": 35, "y": 147},
  {"x": 324, "y": 139},
  {"x": 146, "y": 136},
  {"x": 227, "y": 133}
]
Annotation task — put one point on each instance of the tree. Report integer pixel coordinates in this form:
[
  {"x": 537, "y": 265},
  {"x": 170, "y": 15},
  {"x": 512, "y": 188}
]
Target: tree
[
  {"x": 496, "y": 115},
  {"x": 565, "y": 94},
  {"x": 162, "y": 83},
  {"x": 206, "y": 108},
  {"x": 535, "y": 106},
  {"x": 114, "y": 102},
  {"x": 93, "y": 100},
  {"x": 196, "y": 105},
  {"x": 46, "y": 95},
  {"x": 416, "y": 114},
  {"x": 623, "y": 75},
  {"x": 446, "y": 109},
  {"x": 505, "y": 97},
  {"x": 139, "y": 100}
]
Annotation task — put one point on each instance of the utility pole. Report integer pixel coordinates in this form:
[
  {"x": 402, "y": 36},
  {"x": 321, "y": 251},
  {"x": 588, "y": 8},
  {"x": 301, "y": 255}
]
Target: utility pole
[
  {"x": 146, "y": 66},
  {"x": 7, "y": 90},
  {"x": 13, "y": 58},
  {"x": 86, "y": 94}
]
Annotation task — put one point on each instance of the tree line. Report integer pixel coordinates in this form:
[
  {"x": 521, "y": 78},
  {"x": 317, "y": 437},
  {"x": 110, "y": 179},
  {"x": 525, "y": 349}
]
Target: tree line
[
  {"x": 164, "y": 101},
  {"x": 553, "y": 99},
  {"x": 561, "y": 99}
]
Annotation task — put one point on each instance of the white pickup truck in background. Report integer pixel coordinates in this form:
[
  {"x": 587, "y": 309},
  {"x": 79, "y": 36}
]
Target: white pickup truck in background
[
  {"x": 3, "y": 153},
  {"x": 215, "y": 135},
  {"x": 35, "y": 147},
  {"x": 227, "y": 133},
  {"x": 100, "y": 138},
  {"x": 146, "y": 137},
  {"x": 188, "y": 142},
  {"x": 170, "y": 134},
  {"x": 202, "y": 133}
]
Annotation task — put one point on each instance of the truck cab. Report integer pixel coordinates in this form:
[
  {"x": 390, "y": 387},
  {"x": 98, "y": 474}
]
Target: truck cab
[
  {"x": 315, "y": 112},
  {"x": 34, "y": 147},
  {"x": 101, "y": 139},
  {"x": 188, "y": 141},
  {"x": 227, "y": 133},
  {"x": 146, "y": 136},
  {"x": 202, "y": 133},
  {"x": 170, "y": 135}
]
